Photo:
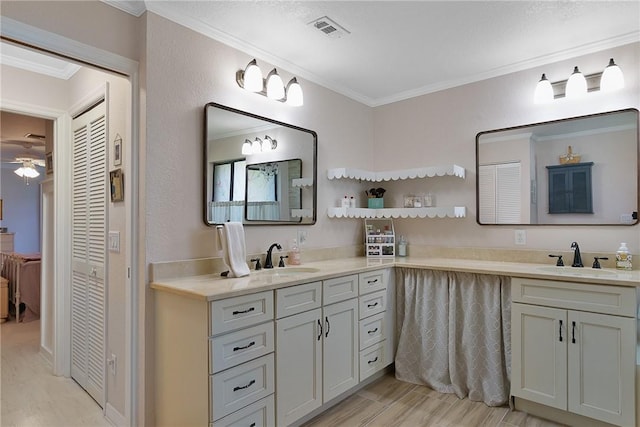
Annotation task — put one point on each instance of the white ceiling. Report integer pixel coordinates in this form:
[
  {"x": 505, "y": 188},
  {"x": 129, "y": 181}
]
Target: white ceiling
[{"x": 396, "y": 49}]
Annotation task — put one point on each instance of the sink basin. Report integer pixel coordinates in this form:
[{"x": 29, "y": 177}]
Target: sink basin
[
  {"x": 577, "y": 271},
  {"x": 285, "y": 271}
]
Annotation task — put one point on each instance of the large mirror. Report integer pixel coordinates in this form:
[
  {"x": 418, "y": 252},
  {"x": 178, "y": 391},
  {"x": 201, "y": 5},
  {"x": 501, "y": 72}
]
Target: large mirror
[
  {"x": 577, "y": 171},
  {"x": 257, "y": 170}
]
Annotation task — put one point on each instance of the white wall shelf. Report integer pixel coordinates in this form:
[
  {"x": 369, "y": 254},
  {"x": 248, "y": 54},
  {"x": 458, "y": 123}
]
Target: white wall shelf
[
  {"x": 302, "y": 213},
  {"x": 302, "y": 182},
  {"x": 426, "y": 172},
  {"x": 437, "y": 212}
]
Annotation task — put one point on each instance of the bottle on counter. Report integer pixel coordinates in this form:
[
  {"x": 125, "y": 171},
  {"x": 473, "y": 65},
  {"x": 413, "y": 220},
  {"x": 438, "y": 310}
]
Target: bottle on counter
[
  {"x": 352, "y": 202},
  {"x": 345, "y": 202},
  {"x": 623, "y": 258},
  {"x": 402, "y": 246},
  {"x": 294, "y": 253}
]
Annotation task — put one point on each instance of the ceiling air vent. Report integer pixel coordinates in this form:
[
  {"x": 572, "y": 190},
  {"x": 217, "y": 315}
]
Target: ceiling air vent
[{"x": 329, "y": 27}]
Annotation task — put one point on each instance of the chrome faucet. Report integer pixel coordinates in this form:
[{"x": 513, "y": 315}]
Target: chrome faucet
[
  {"x": 577, "y": 258},
  {"x": 268, "y": 263}
]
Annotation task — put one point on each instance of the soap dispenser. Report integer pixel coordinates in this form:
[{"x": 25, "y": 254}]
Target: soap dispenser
[
  {"x": 402, "y": 246},
  {"x": 623, "y": 257}
]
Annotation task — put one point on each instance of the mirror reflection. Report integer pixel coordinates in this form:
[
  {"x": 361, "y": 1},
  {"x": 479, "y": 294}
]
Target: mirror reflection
[
  {"x": 257, "y": 170},
  {"x": 576, "y": 171}
]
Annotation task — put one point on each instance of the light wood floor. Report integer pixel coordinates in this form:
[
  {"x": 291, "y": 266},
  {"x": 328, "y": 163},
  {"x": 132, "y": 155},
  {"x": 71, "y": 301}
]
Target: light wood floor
[
  {"x": 30, "y": 395},
  {"x": 392, "y": 403}
]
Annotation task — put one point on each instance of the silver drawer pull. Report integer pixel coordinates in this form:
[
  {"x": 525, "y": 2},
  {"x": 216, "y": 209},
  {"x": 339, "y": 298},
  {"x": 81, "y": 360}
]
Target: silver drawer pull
[
  {"x": 235, "y": 313},
  {"x": 372, "y": 281},
  {"x": 252, "y": 382},
  {"x": 372, "y": 332},
  {"x": 252, "y": 343},
  {"x": 373, "y": 361},
  {"x": 372, "y": 305}
]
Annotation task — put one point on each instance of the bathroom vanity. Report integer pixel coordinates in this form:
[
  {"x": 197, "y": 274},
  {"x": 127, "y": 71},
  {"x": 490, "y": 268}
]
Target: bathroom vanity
[{"x": 281, "y": 346}]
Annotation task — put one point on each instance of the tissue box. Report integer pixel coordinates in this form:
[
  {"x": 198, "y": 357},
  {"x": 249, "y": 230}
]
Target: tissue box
[{"x": 375, "y": 203}]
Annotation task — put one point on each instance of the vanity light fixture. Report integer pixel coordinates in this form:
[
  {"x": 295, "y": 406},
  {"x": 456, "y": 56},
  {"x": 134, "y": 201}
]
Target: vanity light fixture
[
  {"x": 273, "y": 87},
  {"x": 578, "y": 85},
  {"x": 259, "y": 145}
]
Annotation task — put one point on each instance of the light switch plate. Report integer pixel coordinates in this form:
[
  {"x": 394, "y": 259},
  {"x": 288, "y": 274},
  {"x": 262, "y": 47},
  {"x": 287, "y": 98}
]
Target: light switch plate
[{"x": 114, "y": 241}]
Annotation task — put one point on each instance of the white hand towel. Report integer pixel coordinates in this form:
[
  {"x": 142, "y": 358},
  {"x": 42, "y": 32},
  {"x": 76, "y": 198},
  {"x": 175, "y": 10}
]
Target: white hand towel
[{"x": 234, "y": 251}]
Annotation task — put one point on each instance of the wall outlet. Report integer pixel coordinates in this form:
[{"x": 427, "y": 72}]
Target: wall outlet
[
  {"x": 626, "y": 219},
  {"x": 112, "y": 362},
  {"x": 302, "y": 237},
  {"x": 521, "y": 237}
]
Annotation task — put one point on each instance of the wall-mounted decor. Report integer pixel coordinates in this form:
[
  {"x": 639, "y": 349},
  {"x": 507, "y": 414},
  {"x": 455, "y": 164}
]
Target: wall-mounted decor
[
  {"x": 49, "y": 163},
  {"x": 117, "y": 150},
  {"x": 117, "y": 185}
]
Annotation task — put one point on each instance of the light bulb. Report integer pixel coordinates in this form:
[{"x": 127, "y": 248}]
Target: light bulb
[
  {"x": 544, "y": 91},
  {"x": 256, "y": 146},
  {"x": 253, "y": 77},
  {"x": 275, "y": 86},
  {"x": 612, "y": 78},
  {"x": 294, "y": 93},
  {"x": 576, "y": 85},
  {"x": 246, "y": 147}
]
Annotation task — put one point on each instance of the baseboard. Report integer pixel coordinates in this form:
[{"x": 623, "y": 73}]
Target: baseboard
[
  {"x": 115, "y": 417},
  {"x": 47, "y": 355}
]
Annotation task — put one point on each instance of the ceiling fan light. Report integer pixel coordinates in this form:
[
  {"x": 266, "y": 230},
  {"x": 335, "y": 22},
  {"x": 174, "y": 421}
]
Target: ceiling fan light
[
  {"x": 294, "y": 93},
  {"x": 275, "y": 86},
  {"x": 612, "y": 78},
  {"x": 253, "y": 77},
  {"x": 246, "y": 147},
  {"x": 27, "y": 172},
  {"x": 576, "y": 85},
  {"x": 544, "y": 91}
]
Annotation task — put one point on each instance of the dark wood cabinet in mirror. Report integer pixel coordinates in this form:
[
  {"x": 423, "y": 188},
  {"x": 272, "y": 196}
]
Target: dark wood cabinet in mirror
[
  {"x": 519, "y": 173},
  {"x": 257, "y": 170}
]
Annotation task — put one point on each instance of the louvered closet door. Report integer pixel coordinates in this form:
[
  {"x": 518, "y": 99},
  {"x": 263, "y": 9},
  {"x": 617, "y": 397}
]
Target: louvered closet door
[{"x": 89, "y": 251}]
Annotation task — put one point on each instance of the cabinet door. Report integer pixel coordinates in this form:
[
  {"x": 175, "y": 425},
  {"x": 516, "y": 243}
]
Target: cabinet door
[
  {"x": 298, "y": 365},
  {"x": 601, "y": 359},
  {"x": 539, "y": 354},
  {"x": 340, "y": 355}
]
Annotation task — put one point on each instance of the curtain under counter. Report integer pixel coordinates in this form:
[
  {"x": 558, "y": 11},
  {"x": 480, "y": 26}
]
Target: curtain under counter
[{"x": 454, "y": 333}]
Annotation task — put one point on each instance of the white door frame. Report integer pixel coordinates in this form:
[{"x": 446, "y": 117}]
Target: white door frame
[{"x": 70, "y": 48}]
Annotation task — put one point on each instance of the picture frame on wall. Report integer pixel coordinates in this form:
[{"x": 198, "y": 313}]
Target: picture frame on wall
[
  {"x": 116, "y": 179},
  {"x": 117, "y": 151},
  {"x": 48, "y": 163}
]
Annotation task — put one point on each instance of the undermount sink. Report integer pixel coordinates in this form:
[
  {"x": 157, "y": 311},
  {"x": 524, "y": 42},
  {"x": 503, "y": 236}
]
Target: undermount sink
[
  {"x": 577, "y": 271},
  {"x": 285, "y": 271}
]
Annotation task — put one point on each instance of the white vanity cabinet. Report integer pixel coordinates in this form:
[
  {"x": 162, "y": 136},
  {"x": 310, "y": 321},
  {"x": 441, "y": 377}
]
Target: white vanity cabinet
[
  {"x": 574, "y": 348},
  {"x": 316, "y": 345},
  {"x": 377, "y": 321},
  {"x": 214, "y": 360}
]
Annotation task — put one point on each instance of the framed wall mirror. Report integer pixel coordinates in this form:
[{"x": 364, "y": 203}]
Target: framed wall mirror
[
  {"x": 257, "y": 170},
  {"x": 576, "y": 171}
]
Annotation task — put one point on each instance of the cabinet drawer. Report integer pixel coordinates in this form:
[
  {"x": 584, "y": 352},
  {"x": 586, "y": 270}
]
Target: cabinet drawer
[
  {"x": 618, "y": 300},
  {"x": 239, "y": 312},
  {"x": 296, "y": 299},
  {"x": 229, "y": 350},
  {"x": 339, "y": 289},
  {"x": 374, "y": 303},
  {"x": 372, "y": 281},
  {"x": 258, "y": 414},
  {"x": 240, "y": 386},
  {"x": 372, "y": 360},
  {"x": 372, "y": 330}
]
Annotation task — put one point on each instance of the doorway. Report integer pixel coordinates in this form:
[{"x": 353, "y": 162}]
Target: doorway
[{"x": 119, "y": 357}]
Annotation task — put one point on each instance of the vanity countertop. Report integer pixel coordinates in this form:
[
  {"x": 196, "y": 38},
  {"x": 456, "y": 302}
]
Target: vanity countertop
[{"x": 213, "y": 287}]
